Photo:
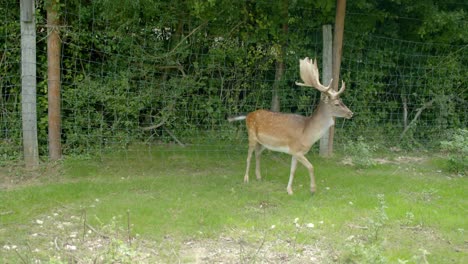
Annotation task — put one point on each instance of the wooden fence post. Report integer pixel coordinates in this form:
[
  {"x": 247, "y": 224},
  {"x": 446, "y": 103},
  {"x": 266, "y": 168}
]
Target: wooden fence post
[
  {"x": 28, "y": 83},
  {"x": 53, "y": 80},
  {"x": 337, "y": 52}
]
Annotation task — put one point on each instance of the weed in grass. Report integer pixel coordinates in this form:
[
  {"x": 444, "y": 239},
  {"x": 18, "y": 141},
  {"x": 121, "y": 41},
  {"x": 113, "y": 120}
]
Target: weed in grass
[
  {"x": 420, "y": 258},
  {"x": 366, "y": 253},
  {"x": 360, "y": 153},
  {"x": 409, "y": 220},
  {"x": 368, "y": 247},
  {"x": 377, "y": 223}
]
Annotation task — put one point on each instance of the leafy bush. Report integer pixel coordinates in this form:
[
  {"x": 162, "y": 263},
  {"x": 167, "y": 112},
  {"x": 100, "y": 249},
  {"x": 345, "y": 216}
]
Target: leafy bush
[
  {"x": 123, "y": 69},
  {"x": 457, "y": 149},
  {"x": 360, "y": 152},
  {"x": 98, "y": 114}
]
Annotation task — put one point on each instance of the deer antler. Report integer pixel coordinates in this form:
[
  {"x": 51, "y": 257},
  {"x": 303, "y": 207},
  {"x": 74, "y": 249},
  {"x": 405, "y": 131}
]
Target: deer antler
[{"x": 310, "y": 76}]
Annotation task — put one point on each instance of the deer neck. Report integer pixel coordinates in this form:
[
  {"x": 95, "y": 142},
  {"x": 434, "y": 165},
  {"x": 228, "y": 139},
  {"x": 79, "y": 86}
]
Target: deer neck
[{"x": 318, "y": 123}]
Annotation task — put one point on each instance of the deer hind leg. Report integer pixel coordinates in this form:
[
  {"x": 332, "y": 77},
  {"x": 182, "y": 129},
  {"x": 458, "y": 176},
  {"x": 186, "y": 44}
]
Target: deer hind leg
[
  {"x": 258, "y": 151},
  {"x": 252, "y": 146},
  {"x": 249, "y": 156},
  {"x": 291, "y": 175},
  {"x": 302, "y": 159}
]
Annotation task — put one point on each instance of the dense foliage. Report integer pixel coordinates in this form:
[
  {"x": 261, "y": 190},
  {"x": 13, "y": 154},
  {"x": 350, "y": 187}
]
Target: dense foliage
[
  {"x": 144, "y": 70},
  {"x": 457, "y": 149}
]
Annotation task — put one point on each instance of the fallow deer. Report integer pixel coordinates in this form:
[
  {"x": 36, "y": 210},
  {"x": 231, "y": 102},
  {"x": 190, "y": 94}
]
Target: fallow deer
[{"x": 294, "y": 134}]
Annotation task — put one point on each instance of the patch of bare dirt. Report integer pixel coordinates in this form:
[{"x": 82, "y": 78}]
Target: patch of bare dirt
[
  {"x": 229, "y": 250},
  {"x": 14, "y": 176},
  {"x": 392, "y": 160},
  {"x": 63, "y": 237},
  {"x": 400, "y": 160}
]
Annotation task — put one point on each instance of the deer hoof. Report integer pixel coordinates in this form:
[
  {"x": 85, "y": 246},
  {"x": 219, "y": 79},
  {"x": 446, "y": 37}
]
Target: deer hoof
[
  {"x": 258, "y": 175},
  {"x": 290, "y": 191},
  {"x": 246, "y": 179}
]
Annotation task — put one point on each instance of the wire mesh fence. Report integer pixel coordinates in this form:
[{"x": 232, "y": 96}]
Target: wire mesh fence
[{"x": 151, "y": 85}]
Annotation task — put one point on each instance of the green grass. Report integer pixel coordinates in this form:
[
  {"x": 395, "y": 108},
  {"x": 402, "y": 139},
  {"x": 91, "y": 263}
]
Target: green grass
[{"x": 187, "y": 194}]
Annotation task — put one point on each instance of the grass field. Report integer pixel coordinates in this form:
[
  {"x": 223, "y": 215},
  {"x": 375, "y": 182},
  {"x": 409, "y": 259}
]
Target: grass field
[{"x": 179, "y": 205}]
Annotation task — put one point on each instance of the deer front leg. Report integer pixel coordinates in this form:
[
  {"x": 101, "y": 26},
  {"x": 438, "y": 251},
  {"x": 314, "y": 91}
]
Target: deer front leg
[
  {"x": 258, "y": 151},
  {"x": 291, "y": 175},
  {"x": 302, "y": 159}
]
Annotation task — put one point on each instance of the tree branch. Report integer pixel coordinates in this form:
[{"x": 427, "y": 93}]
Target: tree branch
[
  {"x": 415, "y": 118},
  {"x": 154, "y": 126}
]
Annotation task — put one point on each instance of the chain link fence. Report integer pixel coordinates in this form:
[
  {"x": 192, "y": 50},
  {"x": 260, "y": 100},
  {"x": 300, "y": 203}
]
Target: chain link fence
[{"x": 151, "y": 85}]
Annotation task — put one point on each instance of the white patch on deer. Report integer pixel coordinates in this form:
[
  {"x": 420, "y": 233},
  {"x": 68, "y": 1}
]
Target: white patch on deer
[
  {"x": 274, "y": 145},
  {"x": 284, "y": 149}
]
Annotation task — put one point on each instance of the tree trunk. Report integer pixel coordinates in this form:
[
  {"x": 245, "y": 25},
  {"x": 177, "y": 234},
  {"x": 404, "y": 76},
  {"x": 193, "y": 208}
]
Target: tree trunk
[
  {"x": 337, "y": 51},
  {"x": 275, "y": 104},
  {"x": 280, "y": 66},
  {"x": 53, "y": 80}
]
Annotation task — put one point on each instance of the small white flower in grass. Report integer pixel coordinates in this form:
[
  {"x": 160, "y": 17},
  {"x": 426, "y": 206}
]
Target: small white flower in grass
[
  {"x": 327, "y": 188},
  {"x": 321, "y": 222},
  {"x": 97, "y": 200},
  {"x": 310, "y": 225},
  {"x": 13, "y": 247},
  {"x": 296, "y": 222},
  {"x": 350, "y": 203},
  {"x": 39, "y": 222},
  {"x": 272, "y": 227},
  {"x": 70, "y": 247},
  {"x": 424, "y": 251},
  {"x": 6, "y": 247},
  {"x": 36, "y": 250}
]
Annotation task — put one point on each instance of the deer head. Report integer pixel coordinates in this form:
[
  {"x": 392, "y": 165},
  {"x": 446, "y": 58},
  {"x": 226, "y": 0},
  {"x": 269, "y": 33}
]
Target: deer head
[{"x": 331, "y": 99}]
